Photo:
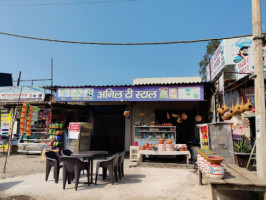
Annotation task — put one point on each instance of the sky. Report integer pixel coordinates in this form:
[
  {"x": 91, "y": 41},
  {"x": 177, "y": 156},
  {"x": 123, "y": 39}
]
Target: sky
[{"x": 115, "y": 21}]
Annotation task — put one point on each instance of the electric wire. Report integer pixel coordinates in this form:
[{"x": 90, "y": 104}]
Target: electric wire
[
  {"x": 117, "y": 43},
  {"x": 64, "y": 3}
]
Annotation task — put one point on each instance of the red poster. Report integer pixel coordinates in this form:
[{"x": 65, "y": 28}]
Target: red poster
[
  {"x": 204, "y": 137},
  {"x": 73, "y": 131}
]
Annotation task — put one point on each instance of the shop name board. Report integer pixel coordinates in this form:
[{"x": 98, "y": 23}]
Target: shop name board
[
  {"x": 229, "y": 52},
  {"x": 145, "y": 93},
  {"x": 24, "y": 93}
]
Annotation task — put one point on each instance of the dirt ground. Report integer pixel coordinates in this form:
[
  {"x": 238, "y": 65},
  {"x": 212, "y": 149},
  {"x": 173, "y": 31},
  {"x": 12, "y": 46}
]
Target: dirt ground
[
  {"x": 21, "y": 164},
  {"x": 25, "y": 176}
]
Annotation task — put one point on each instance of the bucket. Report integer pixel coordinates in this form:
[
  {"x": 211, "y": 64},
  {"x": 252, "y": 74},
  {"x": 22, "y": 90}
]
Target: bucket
[
  {"x": 216, "y": 171},
  {"x": 169, "y": 147},
  {"x": 161, "y": 147}
]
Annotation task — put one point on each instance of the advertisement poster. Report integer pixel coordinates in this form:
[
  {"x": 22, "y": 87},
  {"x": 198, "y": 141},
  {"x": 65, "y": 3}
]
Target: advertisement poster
[
  {"x": 5, "y": 124},
  {"x": 191, "y": 93},
  {"x": 230, "y": 52},
  {"x": 204, "y": 137},
  {"x": 73, "y": 131},
  {"x": 247, "y": 64},
  {"x": 163, "y": 93},
  {"x": 144, "y": 93},
  {"x": 25, "y": 93},
  {"x": 173, "y": 93}
]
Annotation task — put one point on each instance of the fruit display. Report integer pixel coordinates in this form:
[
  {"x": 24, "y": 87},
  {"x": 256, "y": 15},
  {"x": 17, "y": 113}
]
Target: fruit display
[
  {"x": 161, "y": 141},
  {"x": 161, "y": 146},
  {"x": 169, "y": 141}
]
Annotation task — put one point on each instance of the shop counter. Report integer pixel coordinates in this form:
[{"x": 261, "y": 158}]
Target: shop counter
[{"x": 164, "y": 153}]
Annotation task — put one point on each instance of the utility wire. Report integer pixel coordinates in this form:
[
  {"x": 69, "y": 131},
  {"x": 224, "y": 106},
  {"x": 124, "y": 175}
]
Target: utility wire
[
  {"x": 117, "y": 43},
  {"x": 4, "y": 0},
  {"x": 64, "y": 3}
]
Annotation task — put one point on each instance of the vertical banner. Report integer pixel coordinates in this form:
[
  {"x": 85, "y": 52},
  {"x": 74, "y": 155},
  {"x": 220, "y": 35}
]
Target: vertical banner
[
  {"x": 6, "y": 123},
  {"x": 204, "y": 137}
]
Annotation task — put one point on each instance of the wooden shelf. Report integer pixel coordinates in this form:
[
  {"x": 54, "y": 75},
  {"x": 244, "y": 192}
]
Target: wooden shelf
[{"x": 155, "y": 131}]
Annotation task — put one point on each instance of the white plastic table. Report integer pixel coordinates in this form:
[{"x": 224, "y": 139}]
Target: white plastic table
[{"x": 164, "y": 153}]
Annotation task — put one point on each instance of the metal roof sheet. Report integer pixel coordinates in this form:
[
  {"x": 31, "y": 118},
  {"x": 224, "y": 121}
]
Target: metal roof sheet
[{"x": 136, "y": 85}]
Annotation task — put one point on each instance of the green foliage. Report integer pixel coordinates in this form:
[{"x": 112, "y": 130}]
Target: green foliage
[
  {"x": 242, "y": 146},
  {"x": 229, "y": 68},
  {"x": 211, "y": 47}
]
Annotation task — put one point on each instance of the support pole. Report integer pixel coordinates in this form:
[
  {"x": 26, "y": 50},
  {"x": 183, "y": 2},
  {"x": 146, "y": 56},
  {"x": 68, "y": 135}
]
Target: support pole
[
  {"x": 52, "y": 75},
  {"x": 259, "y": 90},
  {"x": 12, "y": 124}
]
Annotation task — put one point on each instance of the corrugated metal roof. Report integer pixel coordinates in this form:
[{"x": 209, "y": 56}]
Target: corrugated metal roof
[
  {"x": 137, "y": 85},
  {"x": 177, "y": 83},
  {"x": 166, "y": 80}
]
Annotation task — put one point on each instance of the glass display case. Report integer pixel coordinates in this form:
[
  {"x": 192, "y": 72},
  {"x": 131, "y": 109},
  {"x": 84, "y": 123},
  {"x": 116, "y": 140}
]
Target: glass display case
[
  {"x": 152, "y": 134},
  {"x": 38, "y": 138}
]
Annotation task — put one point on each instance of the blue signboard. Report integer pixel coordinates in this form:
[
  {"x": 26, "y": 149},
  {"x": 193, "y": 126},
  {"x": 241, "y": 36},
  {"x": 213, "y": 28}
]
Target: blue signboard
[{"x": 134, "y": 93}]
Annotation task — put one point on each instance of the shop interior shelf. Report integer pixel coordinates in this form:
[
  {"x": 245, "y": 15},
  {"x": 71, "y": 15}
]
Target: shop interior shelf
[
  {"x": 37, "y": 140},
  {"x": 154, "y": 126},
  {"x": 57, "y": 128},
  {"x": 151, "y": 139},
  {"x": 155, "y": 131},
  {"x": 38, "y": 128},
  {"x": 38, "y": 132}
]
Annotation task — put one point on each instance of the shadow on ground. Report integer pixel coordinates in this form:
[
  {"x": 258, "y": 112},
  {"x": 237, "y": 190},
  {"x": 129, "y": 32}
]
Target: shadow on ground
[
  {"x": 127, "y": 179},
  {"x": 17, "y": 197},
  {"x": 7, "y": 185}
]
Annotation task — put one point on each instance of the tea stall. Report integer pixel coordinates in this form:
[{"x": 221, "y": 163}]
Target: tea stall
[{"x": 122, "y": 115}]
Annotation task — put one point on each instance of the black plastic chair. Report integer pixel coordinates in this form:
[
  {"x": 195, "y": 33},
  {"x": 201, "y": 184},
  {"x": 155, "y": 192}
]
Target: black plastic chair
[
  {"x": 66, "y": 152},
  {"x": 52, "y": 160},
  {"x": 121, "y": 164},
  {"x": 73, "y": 166},
  {"x": 111, "y": 164}
]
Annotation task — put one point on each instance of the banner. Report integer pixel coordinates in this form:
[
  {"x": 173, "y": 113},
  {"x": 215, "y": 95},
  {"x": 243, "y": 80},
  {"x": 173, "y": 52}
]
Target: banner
[
  {"x": 204, "y": 137},
  {"x": 6, "y": 123},
  {"x": 25, "y": 93},
  {"x": 144, "y": 93}
]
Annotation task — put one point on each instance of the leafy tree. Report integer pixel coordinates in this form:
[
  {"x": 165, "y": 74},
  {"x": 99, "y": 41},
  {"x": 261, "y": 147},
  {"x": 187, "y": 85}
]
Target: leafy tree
[{"x": 203, "y": 64}]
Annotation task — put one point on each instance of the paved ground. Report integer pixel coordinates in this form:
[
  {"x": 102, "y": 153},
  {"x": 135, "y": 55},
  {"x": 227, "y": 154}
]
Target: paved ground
[{"x": 138, "y": 183}]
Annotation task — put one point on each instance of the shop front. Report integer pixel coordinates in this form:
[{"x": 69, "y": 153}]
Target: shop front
[
  {"x": 124, "y": 115},
  {"x": 39, "y": 123}
]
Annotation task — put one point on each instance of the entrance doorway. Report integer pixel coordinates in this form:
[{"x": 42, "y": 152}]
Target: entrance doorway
[
  {"x": 185, "y": 131},
  {"x": 109, "y": 129}
]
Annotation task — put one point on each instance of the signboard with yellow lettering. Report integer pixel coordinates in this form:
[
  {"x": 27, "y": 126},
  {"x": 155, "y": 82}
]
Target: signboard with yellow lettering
[
  {"x": 204, "y": 136},
  {"x": 5, "y": 123}
]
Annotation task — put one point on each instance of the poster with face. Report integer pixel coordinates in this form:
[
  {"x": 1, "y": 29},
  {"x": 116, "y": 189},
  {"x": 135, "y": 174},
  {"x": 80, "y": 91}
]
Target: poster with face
[{"x": 243, "y": 44}]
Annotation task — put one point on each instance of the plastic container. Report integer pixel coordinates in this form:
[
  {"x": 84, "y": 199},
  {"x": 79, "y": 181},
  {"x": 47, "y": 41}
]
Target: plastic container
[
  {"x": 216, "y": 171},
  {"x": 169, "y": 147},
  {"x": 57, "y": 137},
  {"x": 215, "y": 159},
  {"x": 161, "y": 147}
]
